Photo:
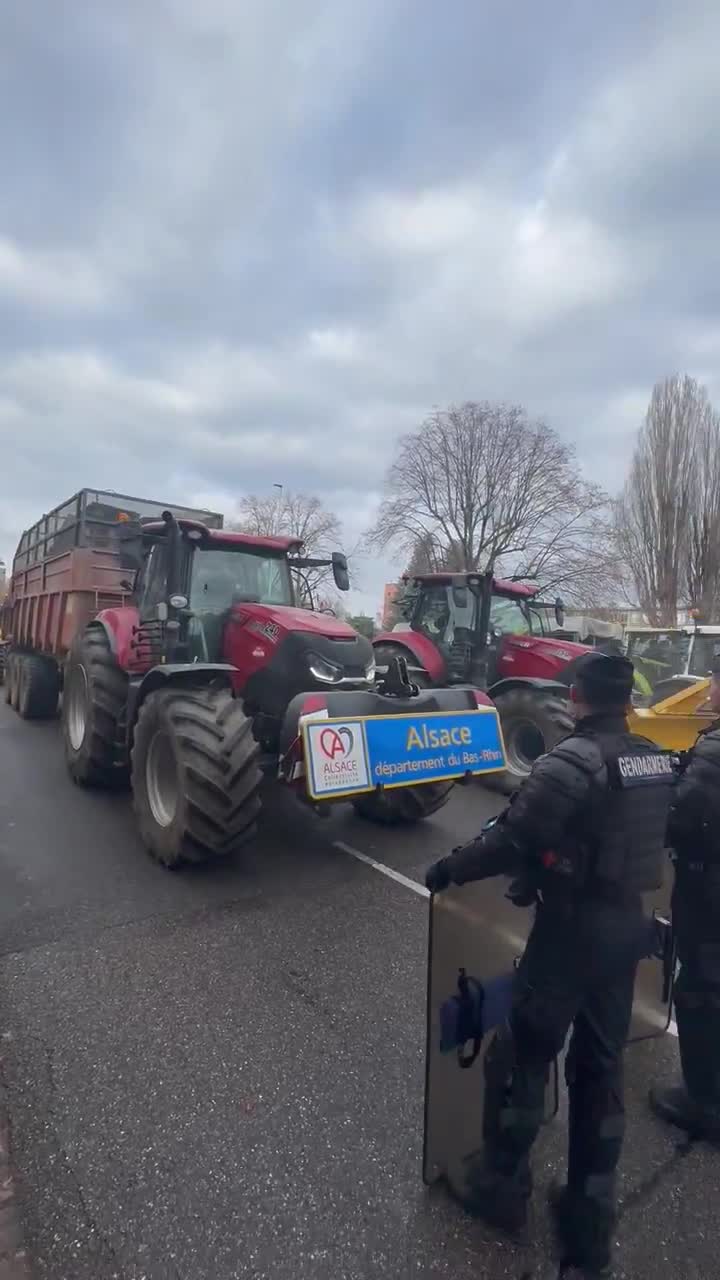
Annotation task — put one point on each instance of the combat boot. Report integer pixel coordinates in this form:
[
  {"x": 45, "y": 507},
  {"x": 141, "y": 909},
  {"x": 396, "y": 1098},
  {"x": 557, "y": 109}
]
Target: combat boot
[
  {"x": 677, "y": 1106},
  {"x": 585, "y": 1230},
  {"x": 500, "y": 1200}
]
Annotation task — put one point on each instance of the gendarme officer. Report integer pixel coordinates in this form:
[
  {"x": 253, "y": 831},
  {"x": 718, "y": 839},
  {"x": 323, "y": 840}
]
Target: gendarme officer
[
  {"x": 694, "y": 837},
  {"x": 586, "y": 833}
]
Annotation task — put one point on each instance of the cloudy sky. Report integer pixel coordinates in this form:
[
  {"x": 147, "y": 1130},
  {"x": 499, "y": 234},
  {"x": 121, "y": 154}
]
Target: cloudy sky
[{"x": 251, "y": 241}]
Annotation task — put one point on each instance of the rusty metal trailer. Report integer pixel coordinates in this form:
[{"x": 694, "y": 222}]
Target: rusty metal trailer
[{"x": 71, "y": 565}]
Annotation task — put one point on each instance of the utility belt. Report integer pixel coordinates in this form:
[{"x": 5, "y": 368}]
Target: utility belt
[
  {"x": 595, "y": 891},
  {"x": 569, "y": 894}
]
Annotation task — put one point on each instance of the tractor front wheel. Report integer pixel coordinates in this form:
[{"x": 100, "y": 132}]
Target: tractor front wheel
[
  {"x": 195, "y": 774},
  {"x": 402, "y": 805},
  {"x": 532, "y": 722}
]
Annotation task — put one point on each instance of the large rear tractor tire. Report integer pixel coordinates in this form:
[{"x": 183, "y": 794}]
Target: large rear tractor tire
[
  {"x": 94, "y": 699},
  {"x": 532, "y": 722},
  {"x": 38, "y": 688},
  {"x": 402, "y": 805},
  {"x": 195, "y": 774}
]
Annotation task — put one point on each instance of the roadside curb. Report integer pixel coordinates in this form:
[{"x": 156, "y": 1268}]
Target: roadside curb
[{"x": 14, "y": 1262}]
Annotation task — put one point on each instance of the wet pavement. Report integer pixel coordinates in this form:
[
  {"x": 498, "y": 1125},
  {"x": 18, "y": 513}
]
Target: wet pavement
[{"x": 219, "y": 1073}]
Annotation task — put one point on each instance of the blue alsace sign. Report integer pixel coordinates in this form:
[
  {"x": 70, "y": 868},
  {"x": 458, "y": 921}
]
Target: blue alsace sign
[{"x": 345, "y": 757}]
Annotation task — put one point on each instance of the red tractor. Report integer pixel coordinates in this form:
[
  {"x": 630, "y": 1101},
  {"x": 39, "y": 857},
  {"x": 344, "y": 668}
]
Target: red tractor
[
  {"x": 184, "y": 663},
  {"x": 474, "y": 629}
]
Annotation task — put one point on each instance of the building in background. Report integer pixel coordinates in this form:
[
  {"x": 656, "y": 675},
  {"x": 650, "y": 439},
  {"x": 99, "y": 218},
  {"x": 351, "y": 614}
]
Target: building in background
[{"x": 390, "y": 596}]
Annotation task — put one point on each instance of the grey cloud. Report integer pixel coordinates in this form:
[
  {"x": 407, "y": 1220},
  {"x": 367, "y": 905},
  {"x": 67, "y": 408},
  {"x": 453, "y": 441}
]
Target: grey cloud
[{"x": 241, "y": 238}]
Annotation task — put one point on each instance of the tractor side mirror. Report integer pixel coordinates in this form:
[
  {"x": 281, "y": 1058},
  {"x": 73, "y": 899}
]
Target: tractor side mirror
[
  {"x": 340, "y": 571},
  {"x": 559, "y": 612}
]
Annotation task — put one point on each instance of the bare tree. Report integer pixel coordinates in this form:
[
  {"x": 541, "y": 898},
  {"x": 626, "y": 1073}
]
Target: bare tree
[
  {"x": 703, "y": 550},
  {"x": 481, "y": 482},
  {"x": 298, "y": 515},
  {"x": 576, "y": 555},
  {"x": 653, "y": 517}
]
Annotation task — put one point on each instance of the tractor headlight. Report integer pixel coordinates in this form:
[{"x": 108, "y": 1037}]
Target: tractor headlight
[{"x": 321, "y": 669}]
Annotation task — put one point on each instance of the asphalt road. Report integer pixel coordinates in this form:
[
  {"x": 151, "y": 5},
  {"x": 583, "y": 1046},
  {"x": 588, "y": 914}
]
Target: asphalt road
[{"x": 219, "y": 1073}]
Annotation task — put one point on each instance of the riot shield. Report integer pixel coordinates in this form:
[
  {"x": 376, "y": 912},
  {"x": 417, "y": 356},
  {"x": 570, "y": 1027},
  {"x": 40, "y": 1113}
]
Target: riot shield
[
  {"x": 652, "y": 1006},
  {"x": 466, "y": 943},
  {"x": 462, "y": 947}
]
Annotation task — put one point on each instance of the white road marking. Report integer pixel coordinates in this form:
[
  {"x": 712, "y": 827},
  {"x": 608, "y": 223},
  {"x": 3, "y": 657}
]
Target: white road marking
[
  {"x": 655, "y": 1017},
  {"x": 380, "y": 866},
  {"x": 516, "y": 941}
]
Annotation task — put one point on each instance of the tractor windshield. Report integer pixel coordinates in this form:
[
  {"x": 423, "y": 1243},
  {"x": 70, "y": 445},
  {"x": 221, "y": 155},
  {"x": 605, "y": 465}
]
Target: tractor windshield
[
  {"x": 510, "y": 617},
  {"x": 658, "y": 655},
  {"x": 705, "y": 650},
  {"x": 450, "y": 614},
  {"x": 223, "y": 577},
  {"x": 444, "y": 613}
]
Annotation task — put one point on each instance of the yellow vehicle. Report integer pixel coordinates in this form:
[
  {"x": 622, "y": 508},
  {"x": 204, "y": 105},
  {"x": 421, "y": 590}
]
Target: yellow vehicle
[
  {"x": 667, "y": 659},
  {"x": 675, "y": 721}
]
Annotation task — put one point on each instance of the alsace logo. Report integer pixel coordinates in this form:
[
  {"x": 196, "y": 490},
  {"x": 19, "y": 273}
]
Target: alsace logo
[
  {"x": 337, "y": 744},
  {"x": 337, "y": 758}
]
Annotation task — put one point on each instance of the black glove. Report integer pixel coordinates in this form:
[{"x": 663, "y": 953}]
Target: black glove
[
  {"x": 522, "y": 892},
  {"x": 437, "y": 877}
]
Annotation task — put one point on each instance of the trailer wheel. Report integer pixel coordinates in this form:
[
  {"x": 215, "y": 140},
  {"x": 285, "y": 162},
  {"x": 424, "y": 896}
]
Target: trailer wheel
[
  {"x": 195, "y": 774},
  {"x": 17, "y": 667},
  {"x": 9, "y": 679},
  {"x": 94, "y": 698},
  {"x": 38, "y": 688},
  {"x": 402, "y": 805},
  {"x": 532, "y": 722}
]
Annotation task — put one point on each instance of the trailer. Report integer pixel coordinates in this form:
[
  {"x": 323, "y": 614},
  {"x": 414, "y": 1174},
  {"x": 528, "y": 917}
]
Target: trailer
[{"x": 185, "y": 666}]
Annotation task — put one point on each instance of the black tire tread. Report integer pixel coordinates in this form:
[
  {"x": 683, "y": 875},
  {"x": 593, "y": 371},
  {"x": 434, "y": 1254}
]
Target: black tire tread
[
  {"x": 107, "y": 687},
  {"x": 15, "y": 682},
  {"x": 39, "y": 687},
  {"x": 9, "y": 668},
  {"x": 543, "y": 705},
  {"x": 218, "y": 758},
  {"x": 399, "y": 806}
]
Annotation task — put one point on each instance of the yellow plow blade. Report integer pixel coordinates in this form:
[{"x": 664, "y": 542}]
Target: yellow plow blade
[{"x": 675, "y": 723}]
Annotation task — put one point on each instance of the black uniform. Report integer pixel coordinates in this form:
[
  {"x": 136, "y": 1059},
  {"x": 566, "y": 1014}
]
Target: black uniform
[
  {"x": 587, "y": 833},
  {"x": 694, "y": 835}
]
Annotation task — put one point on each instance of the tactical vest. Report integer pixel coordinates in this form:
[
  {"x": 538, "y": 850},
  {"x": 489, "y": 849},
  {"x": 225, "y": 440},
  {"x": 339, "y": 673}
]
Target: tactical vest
[
  {"x": 618, "y": 843},
  {"x": 694, "y": 826}
]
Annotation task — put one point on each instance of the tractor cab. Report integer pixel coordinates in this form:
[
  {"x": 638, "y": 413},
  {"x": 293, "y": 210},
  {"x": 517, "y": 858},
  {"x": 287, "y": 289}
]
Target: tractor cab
[
  {"x": 210, "y": 596},
  {"x": 467, "y": 618},
  {"x": 193, "y": 576},
  {"x": 492, "y": 633}
]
